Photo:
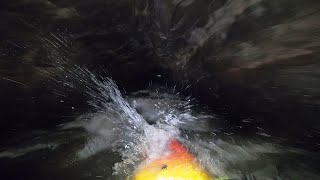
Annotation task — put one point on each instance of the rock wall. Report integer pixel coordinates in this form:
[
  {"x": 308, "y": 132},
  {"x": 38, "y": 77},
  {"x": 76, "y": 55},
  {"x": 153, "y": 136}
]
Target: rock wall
[{"x": 258, "y": 59}]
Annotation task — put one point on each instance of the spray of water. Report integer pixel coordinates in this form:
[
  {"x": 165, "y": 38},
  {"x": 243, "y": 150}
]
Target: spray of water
[{"x": 114, "y": 123}]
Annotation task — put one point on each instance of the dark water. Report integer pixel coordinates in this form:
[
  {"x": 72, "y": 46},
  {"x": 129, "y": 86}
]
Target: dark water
[{"x": 108, "y": 141}]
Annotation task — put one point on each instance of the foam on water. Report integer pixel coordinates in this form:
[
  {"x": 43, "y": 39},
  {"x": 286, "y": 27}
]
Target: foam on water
[{"x": 116, "y": 125}]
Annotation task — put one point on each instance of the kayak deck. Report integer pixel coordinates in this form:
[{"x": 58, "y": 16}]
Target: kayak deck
[{"x": 179, "y": 164}]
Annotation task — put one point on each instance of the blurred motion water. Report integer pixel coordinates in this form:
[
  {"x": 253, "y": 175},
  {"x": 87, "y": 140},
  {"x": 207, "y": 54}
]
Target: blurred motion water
[{"x": 118, "y": 133}]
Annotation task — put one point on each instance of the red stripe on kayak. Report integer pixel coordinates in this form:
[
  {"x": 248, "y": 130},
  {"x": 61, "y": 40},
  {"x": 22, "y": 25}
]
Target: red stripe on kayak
[{"x": 178, "y": 150}]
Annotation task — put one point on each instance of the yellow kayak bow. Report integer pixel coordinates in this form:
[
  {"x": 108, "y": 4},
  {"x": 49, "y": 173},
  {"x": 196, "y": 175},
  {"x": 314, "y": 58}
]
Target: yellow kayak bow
[{"x": 179, "y": 164}]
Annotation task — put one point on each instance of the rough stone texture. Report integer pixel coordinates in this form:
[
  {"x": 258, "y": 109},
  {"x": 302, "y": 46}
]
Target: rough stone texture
[{"x": 257, "y": 57}]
